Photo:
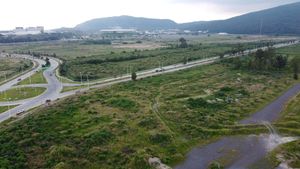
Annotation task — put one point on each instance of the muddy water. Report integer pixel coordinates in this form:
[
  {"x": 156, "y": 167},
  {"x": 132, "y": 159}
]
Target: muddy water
[{"x": 242, "y": 152}]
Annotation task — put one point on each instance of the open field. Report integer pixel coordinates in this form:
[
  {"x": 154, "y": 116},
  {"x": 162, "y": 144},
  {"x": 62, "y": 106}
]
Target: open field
[
  {"x": 122, "y": 126},
  {"x": 102, "y": 61},
  {"x": 292, "y": 51},
  {"x": 73, "y": 49},
  {"x": 21, "y": 93},
  {"x": 37, "y": 78},
  {"x": 10, "y": 67}
]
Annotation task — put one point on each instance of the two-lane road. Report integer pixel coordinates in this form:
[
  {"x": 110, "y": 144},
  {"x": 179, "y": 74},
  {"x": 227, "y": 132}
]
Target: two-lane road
[{"x": 54, "y": 88}]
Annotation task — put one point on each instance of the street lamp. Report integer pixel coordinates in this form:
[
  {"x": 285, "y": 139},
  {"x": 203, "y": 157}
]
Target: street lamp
[
  {"x": 81, "y": 77},
  {"x": 8, "y": 106},
  {"x": 88, "y": 82}
]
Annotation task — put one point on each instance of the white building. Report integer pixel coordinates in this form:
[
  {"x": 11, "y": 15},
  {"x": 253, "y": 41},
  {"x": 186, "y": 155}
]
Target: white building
[{"x": 24, "y": 31}]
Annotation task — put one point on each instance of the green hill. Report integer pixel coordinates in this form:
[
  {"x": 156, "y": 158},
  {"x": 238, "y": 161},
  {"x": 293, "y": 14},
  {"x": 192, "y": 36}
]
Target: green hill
[
  {"x": 280, "y": 20},
  {"x": 126, "y": 22}
]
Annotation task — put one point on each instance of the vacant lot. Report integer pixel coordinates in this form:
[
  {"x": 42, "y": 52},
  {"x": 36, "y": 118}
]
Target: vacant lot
[{"x": 122, "y": 126}]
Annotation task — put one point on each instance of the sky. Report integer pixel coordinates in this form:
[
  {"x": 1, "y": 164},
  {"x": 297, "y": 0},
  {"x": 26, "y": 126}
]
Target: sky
[{"x": 68, "y": 13}]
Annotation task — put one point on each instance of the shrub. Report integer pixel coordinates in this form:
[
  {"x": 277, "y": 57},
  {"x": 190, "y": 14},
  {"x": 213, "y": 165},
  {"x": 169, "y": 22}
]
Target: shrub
[
  {"x": 160, "y": 138},
  {"x": 100, "y": 137},
  {"x": 148, "y": 122},
  {"x": 122, "y": 103}
]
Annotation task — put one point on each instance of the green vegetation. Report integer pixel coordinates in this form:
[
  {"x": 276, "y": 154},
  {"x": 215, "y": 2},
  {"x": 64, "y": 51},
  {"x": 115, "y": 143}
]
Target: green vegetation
[
  {"x": 128, "y": 55},
  {"x": 10, "y": 67},
  {"x": 289, "y": 125},
  {"x": 5, "y": 108},
  {"x": 70, "y": 88},
  {"x": 122, "y": 126},
  {"x": 37, "y": 78},
  {"x": 21, "y": 93}
]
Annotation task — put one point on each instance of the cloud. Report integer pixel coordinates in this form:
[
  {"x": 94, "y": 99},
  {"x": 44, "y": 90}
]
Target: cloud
[
  {"x": 58, "y": 13},
  {"x": 238, "y": 5}
]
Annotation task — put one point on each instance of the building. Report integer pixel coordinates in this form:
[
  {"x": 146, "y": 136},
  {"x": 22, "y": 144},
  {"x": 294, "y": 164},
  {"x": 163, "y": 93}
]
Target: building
[{"x": 24, "y": 31}]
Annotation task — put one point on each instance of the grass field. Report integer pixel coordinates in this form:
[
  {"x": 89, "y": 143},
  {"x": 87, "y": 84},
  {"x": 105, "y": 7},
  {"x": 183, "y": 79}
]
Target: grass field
[
  {"x": 21, "y": 93},
  {"x": 37, "y": 78},
  {"x": 70, "y": 88},
  {"x": 10, "y": 67},
  {"x": 102, "y": 61},
  {"x": 122, "y": 126}
]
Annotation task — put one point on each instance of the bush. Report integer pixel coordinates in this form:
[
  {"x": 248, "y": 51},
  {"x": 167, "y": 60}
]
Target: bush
[
  {"x": 148, "y": 122},
  {"x": 160, "y": 138},
  {"x": 215, "y": 165},
  {"x": 100, "y": 137},
  {"x": 122, "y": 103}
]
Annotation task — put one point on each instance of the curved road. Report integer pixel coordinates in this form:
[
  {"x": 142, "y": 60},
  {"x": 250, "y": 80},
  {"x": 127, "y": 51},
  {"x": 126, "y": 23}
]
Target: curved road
[
  {"x": 10, "y": 84},
  {"x": 54, "y": 87}
]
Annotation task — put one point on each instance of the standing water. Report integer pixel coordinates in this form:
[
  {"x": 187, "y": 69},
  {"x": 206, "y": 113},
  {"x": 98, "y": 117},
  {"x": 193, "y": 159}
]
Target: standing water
[
  {"x": 274, "y": 139},
  {"x": 239, "y": 152}
]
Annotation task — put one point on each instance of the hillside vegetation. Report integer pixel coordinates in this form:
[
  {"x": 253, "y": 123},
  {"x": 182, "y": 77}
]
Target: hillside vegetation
[
  {"x": 122, "y": 126},
  {"x": 280, "y": 20}
]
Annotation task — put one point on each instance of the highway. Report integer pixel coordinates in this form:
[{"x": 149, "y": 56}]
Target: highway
[{"x": 54, "y": 86}]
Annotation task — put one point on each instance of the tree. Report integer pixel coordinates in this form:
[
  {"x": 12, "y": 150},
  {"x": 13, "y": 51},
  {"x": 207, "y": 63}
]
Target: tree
[
  {"x": 295, "y": 62},
  {"x": 47, "y": 62},
  {"x": 133, "y": 76},
  {"x": 280, "y": 61},
  {"x": 183, "y": 43}
]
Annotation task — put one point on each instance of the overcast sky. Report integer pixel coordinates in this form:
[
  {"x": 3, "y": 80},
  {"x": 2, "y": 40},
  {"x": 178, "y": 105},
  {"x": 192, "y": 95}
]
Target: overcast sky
[{"x": 68, "y": 13}]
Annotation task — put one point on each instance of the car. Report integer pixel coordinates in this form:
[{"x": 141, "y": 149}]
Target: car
[
  {"x": 20, "y": 112},
  {"x": 19, "y": 79}
]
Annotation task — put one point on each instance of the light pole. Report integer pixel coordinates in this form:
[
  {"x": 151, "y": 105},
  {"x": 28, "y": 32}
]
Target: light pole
[
  {"x": 88, "y": 82},
  {"x": 80, "y": 77},
  {"x": 9, "y": 112}
]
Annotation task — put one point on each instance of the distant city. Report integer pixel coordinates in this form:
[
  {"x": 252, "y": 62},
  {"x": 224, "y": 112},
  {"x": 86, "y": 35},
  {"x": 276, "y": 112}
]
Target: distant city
[{"x": 24, "y": 31}]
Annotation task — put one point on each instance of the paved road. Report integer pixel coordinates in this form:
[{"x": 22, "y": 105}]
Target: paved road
[
  {"x": 54, "y": 86},
  {"x": 247, "y": 149},
  {"x": 272, "y": 111},
  {"x": 8, "y": 85},
  {"x": 52, "y": 93}
]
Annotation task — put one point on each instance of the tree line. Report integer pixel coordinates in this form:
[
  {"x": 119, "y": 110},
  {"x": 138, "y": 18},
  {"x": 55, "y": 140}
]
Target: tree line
[{"x": 35, "y": 38}]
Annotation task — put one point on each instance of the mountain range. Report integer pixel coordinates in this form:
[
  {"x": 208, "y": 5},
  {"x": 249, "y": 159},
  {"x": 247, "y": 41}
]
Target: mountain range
[{"x": 279, "y": 20}]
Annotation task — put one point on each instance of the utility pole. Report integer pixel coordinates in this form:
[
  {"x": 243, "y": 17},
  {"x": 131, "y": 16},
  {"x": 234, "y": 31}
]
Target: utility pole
[
  {"x": 30, "y": 80},
  {"x": 261, "y": 26},
  {"x": 9, "y": 112},
  {"x": 81, "y": 77},
  {"x": 88, "y": 82}
]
